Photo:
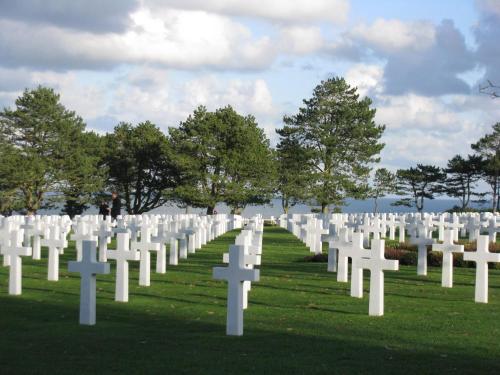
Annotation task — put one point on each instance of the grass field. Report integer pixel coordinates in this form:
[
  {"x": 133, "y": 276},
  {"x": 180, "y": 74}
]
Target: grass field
[{"x": 299, "y": 321}]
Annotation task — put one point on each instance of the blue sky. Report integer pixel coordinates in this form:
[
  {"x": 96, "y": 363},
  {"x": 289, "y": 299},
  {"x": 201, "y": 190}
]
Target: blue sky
[{"x": 134, "y": 60}]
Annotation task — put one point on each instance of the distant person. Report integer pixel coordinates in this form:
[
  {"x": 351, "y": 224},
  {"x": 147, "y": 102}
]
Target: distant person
[
  {"x": 116, "y": 205},
  {"x": 104, "y": 209}
]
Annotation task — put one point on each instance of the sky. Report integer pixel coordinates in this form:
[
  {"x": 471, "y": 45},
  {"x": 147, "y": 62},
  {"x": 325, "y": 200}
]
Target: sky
[{"x": 421, "y": 62}]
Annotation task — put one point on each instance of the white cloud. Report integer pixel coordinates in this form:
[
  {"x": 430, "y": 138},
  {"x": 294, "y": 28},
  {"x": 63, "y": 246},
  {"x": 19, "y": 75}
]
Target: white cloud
[
  {"x": 430, "y": 130},
  {"x": 490, "y": 6},
  {"x": 301, "y": 39},
  {"x": 393, "y": 35},
  {"x": 278, "y": 10},
  {"x": 147, "y": 94},
  {"x": 417, "y": 111},
  {"x": 173, "y": 38},
  {"x": 367, "y": 78}
]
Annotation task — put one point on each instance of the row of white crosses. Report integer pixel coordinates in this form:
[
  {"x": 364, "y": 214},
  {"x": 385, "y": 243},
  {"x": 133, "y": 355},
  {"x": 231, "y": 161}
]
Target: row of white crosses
[
  {"x": 127, "y": 250},
  {"x": 243, "y": 256},
  {"x": 343, "y": 242},
  {"x": 24, "y": 236}
]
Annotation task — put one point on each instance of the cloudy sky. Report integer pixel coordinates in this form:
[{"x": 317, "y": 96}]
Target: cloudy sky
[{"x": 135, "y": 60}]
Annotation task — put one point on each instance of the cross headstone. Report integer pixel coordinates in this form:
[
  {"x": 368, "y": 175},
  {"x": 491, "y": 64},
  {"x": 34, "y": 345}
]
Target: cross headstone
[
  {"x": 330, "y": 237},
  {"x": 122, "y": 255},
  {"x": 357, "y": 254},
  {"x": 88, "y": 269},
  {"x": 15, "y": 251},
  {"x": 448, "y": 248},
  {"x": 161, "y": 239},
  {"x": 377, "y": 264},
  {"x": 102, "y": 235},
  {"x": 481, "y": 257},
  {"x": 235, "y": 274},
  {"x": 422, "y": 242},
  {"x": 145, "y": 246},
  {"x": 55, "y": 245}
]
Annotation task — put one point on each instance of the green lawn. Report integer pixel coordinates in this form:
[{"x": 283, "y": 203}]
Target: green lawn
[{"x": 300, "y": 321}]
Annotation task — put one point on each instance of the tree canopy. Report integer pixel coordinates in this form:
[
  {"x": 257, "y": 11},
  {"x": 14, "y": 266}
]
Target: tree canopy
[
  {"x": 140, "y": 166},
  {"x": 336, "y": 133},
  {"x": 223, "y": 157},
  {"x": 41, "y": 136}
]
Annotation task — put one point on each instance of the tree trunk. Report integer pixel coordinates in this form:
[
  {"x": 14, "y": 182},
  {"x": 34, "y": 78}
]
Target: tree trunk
[
  {"x": 324, "y": 208},
  {"x": 210, "y": 210},
  {"x": 375, "y": 207},
  {"x": 495, "y": 195},
  {"x": 285, "y": 205}
]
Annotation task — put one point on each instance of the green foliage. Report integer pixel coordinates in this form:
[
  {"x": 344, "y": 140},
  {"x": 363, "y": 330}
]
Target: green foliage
[
  {"x": 223, "y": 157},
  {"x": 339, "y": 138},
  {"x": 85, "y": 175},
  {"x": 384, "y": 182},
  {"x": 422, "y": 182},
  {"x": 461, "y": 177},
  {"x": 38, "y": 138},
  {"x": 488, "y": 147},
  {"x": 294, "y": 171},
  {"x": 140, "y": 166}
]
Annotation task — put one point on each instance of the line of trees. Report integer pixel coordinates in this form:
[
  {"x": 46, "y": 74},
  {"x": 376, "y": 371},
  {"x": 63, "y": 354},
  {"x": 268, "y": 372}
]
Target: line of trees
[
  {"x": 459, "y": 179},
  {"x": 324, "y": 155},
  {"x": 48, "y": 157}
]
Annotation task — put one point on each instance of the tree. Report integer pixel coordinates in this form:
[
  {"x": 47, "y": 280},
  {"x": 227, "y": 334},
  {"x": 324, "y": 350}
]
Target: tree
[
  {"x": 384, "y": 182},
  {"x": 337, "y": 132},
  {"x": 140, "y": 164},
  {"x": 489, "y": 148},
  {"x": 224, "y": 157},
  {"x": 40, "y": 131},
  {"x": 490, "y": 89},
  {"x": 461, "y": 177},
  {"x": 85, "y": 175},
  {"x": 293, "y": 172},
  {"x": 9, "y": 197},
  {"x": 420, "y": 183}
]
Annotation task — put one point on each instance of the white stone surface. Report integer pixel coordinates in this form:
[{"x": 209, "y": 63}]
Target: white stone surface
[
  {"x": 88, "y": 269},
  {"x": 481, "y": 257},
  {"x": 122, "y": 255},
  {"x": 448, "y": 248},
  {"x": 235, "y": 274},
  {"x": 15, "y": 251},
  {"x": 377, "y": 264}
]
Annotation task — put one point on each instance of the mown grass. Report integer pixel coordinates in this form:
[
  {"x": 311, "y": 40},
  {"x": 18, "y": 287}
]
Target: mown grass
[{"x": 300, "y": 321}]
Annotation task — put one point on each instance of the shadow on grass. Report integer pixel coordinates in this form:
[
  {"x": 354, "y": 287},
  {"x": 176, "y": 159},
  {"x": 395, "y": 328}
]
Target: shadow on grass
[{"x": 168, "y": 343}]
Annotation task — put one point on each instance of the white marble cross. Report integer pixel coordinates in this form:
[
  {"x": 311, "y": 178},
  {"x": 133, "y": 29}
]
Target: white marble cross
[
  {"x": 422, "y": 242},
  {"x": 344, "y": 253},
  {"x": 122, "y": 255},
  {"x": 331, "y": 237},
  {"x": 377, "y": 264},
  {"x": 15, "y": 251},
  {"x": 492, "y": 228},
  {"x": 357, "y": 254},
  {"x": 145, "y": 246},
  {"x": 88, "y": 269},
  {"x": 455, "y": 225},
  {"x": 161, "y": 239},
  {"x": 482, "y": 256},
  {"x": 81, "y": 234},
  {"x": 174, "y": 251},
  {"x": 103, "y": 234},
  {"x": 56, "y": 246},
  {"x": 235, "y": 274},
  {"x": 448, "y": 248}
]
